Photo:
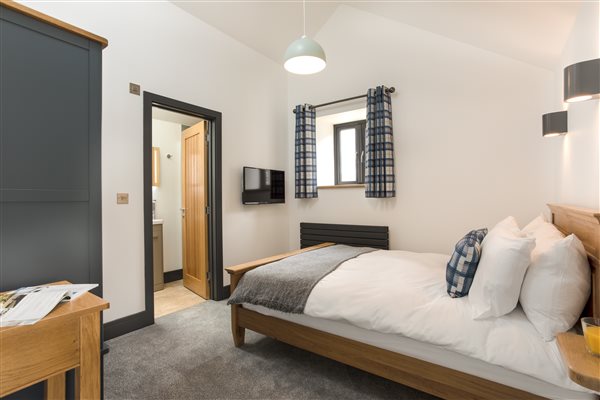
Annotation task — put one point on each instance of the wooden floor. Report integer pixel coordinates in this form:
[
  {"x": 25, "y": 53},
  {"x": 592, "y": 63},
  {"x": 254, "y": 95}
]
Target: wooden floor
[{"x": 174, "y": 297}]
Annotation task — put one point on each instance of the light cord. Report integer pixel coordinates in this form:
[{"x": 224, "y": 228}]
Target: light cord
[{"x": 304, "y": 17}]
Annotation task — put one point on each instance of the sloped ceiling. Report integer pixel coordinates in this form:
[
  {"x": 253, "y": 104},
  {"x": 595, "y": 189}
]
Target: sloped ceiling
[
  {"x": 266, "y": 26},
  {"x": 531, "y": 31}
]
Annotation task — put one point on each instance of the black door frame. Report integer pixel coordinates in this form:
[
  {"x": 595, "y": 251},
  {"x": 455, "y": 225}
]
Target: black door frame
[{"x": 215, "y": 217}]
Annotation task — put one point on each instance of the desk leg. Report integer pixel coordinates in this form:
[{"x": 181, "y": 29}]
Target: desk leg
[
  {"x": 55, "y": 387},
  {"x": 87, "y": 375}
]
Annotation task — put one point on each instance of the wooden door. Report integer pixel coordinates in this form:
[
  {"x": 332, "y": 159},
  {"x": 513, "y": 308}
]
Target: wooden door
[{"x": 194, "y": 193}]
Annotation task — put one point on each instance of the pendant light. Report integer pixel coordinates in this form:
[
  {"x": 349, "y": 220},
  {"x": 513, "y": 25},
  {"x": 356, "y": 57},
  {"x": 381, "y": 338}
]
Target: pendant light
[{"x": 304, "y": 56}]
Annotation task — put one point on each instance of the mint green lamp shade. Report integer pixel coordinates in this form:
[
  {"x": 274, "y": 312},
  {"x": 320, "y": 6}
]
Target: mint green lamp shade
[{"x": 304, "y": 56}]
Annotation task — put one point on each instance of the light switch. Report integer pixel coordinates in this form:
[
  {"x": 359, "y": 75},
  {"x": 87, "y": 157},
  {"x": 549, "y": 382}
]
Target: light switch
[
  {"x": 122, "y": 198},
  {"x": 134, "y": 88}
]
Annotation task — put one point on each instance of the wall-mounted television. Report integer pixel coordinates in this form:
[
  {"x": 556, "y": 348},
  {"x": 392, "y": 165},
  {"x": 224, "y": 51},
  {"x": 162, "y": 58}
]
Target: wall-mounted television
[{"x": 263, "y": 186}]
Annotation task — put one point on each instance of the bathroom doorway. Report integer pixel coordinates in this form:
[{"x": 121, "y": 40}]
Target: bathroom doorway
[
  {"x": 182, "y": 198},
  {"x": 179, "y": 223}
]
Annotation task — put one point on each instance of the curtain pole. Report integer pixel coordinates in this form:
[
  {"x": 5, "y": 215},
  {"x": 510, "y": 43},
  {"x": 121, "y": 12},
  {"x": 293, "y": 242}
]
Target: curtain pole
[{"x": 388, "y": 90}]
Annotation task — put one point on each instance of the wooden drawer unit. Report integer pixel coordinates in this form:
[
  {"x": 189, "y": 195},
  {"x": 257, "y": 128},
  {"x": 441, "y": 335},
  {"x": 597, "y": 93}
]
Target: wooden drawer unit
[
  {"x": 21, "y": 369},
  {"x": 157, "y": 256},
  {"x": 67, "y": 338}
]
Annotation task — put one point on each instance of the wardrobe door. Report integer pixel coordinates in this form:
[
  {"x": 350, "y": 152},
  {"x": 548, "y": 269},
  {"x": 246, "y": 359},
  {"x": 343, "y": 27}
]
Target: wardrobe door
[
  {"x": 50, "y": 99},
  {"x": 50, "y": 210}
]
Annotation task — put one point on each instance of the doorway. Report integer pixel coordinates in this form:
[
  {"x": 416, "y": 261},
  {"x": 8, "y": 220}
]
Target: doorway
[{"x": 182, "y": 194}]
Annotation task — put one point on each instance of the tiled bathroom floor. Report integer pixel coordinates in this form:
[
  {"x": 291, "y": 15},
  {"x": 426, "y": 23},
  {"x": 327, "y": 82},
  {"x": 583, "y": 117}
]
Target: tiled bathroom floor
[{"x": 174, "y": 297}]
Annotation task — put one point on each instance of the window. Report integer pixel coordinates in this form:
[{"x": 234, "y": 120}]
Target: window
[
  {"x": 328, "y": 152},
  {"x": 349, "y": 152}
]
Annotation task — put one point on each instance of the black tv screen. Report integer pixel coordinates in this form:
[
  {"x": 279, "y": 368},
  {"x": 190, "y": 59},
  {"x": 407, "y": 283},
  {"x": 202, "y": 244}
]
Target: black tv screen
[{"x": 263, "y": 186}]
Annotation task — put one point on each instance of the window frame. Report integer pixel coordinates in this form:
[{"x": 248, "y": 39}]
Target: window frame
[{"x": 360, "y": 127}]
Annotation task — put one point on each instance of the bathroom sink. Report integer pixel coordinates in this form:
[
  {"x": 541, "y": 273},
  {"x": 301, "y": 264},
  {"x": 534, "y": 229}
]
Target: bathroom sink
[{"x": 157, "y": 222}]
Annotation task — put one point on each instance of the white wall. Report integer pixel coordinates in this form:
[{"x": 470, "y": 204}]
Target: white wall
[
  {"x": 167, "y": 137},
  {"x": 578, "y": 160},
  {"x": 171, "y": 53},
  {"x": 467, "y": 123},
  {"x": 467, "y": 132}
]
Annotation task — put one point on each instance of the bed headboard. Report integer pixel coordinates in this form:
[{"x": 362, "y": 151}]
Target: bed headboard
[
  {"x": 353, "y": 235},
  {"x": 585, "y": 224}
]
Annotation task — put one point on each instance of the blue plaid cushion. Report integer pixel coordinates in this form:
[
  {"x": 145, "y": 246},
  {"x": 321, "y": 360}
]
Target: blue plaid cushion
[{"x": 463, "y": 263}]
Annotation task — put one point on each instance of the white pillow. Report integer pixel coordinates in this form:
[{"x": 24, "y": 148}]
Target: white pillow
[
  {"x": 509, "y": 224},
  {"x": 541, "y": 226},
  {"x": 535, "y": 223},
  {"x": 557, "y": 284},
  {"x": 505, "y": 256}
]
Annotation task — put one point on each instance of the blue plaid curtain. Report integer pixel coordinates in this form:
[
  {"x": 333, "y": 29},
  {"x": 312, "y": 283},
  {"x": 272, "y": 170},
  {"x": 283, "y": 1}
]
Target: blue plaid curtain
[
  {"x": 379, "y": 145},
  {"x": 306, "y": 153}
]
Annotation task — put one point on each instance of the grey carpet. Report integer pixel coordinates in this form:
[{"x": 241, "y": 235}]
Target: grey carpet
[{"x": 190, "y": 355}]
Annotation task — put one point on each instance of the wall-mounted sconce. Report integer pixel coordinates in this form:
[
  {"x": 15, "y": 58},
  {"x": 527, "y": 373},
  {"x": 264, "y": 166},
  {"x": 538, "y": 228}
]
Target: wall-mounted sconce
[
  {"x": 582, "y": 81},
  {"x": 555, "y": 124}
]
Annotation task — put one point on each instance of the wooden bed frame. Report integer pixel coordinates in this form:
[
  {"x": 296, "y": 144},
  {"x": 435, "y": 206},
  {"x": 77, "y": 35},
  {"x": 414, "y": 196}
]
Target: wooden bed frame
[{"x": 424, "y": 376}]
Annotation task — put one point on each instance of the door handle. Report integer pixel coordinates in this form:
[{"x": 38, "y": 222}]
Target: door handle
[{"x": 182, "y": 212}]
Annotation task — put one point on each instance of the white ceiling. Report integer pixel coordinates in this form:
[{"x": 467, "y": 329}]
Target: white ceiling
[{"x": 531, "y": 31}]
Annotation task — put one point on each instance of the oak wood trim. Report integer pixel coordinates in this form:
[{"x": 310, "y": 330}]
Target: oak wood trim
[
  {"x": 575, "y": 210},
  {"x": 67, "y": 338},
  {"x": 238, "y": 332},
  {"x": 23, "y": 350},
  {"x": 87, "y": 374},
  {"x": 583, "y": 367},
  {"x": 55, "y": 387},
  {"x": 20, "y": 8},
  {"x": 421, "y": 375},
  {"x": 85, "y": 303},
  {"x": 241, "y": 269},
  {"x": 583, "y": 222}
]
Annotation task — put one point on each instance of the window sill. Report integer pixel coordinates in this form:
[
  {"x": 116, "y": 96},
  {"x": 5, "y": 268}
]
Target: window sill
[{"x": 346, "y": 186}]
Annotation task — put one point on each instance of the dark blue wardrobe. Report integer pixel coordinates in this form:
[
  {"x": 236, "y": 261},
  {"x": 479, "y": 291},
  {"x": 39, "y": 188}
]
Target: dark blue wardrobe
[{"x": 50, "y": 116}]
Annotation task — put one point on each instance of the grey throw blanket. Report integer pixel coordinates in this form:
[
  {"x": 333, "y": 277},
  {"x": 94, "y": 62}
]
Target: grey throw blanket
[{"x": 286, "y": 284}]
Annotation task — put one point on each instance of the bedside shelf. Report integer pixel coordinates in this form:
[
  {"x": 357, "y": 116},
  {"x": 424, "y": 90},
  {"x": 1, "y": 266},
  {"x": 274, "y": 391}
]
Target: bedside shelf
[{"x": 583, "y": 367}]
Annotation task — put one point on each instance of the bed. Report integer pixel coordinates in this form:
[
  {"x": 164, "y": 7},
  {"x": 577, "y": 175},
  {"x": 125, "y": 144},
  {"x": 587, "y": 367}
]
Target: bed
[{"x": 428, "y": 363}]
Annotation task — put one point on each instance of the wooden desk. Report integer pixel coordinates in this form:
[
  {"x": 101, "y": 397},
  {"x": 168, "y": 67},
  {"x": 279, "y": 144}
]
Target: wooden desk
[
  {"x": 583, "y": 367},
  {"x": 67, "y": 338}
]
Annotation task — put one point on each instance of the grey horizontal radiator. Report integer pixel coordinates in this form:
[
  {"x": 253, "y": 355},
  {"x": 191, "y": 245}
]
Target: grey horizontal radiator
[{"x": 353, "y": 235}]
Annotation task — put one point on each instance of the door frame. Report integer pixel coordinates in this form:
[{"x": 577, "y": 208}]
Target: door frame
[{"x": 214, "y": 197}]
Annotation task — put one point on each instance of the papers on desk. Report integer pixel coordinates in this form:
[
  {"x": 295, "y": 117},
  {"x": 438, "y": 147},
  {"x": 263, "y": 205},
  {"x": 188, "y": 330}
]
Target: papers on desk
[{"x": 28, "y": 305}]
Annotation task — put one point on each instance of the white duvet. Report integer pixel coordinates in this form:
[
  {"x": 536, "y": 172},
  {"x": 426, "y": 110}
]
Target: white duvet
[{"x": 404, "y": 293}]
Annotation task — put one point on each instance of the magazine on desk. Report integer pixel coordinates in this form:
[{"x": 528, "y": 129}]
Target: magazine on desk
[{"x": 26, "y": 306}]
